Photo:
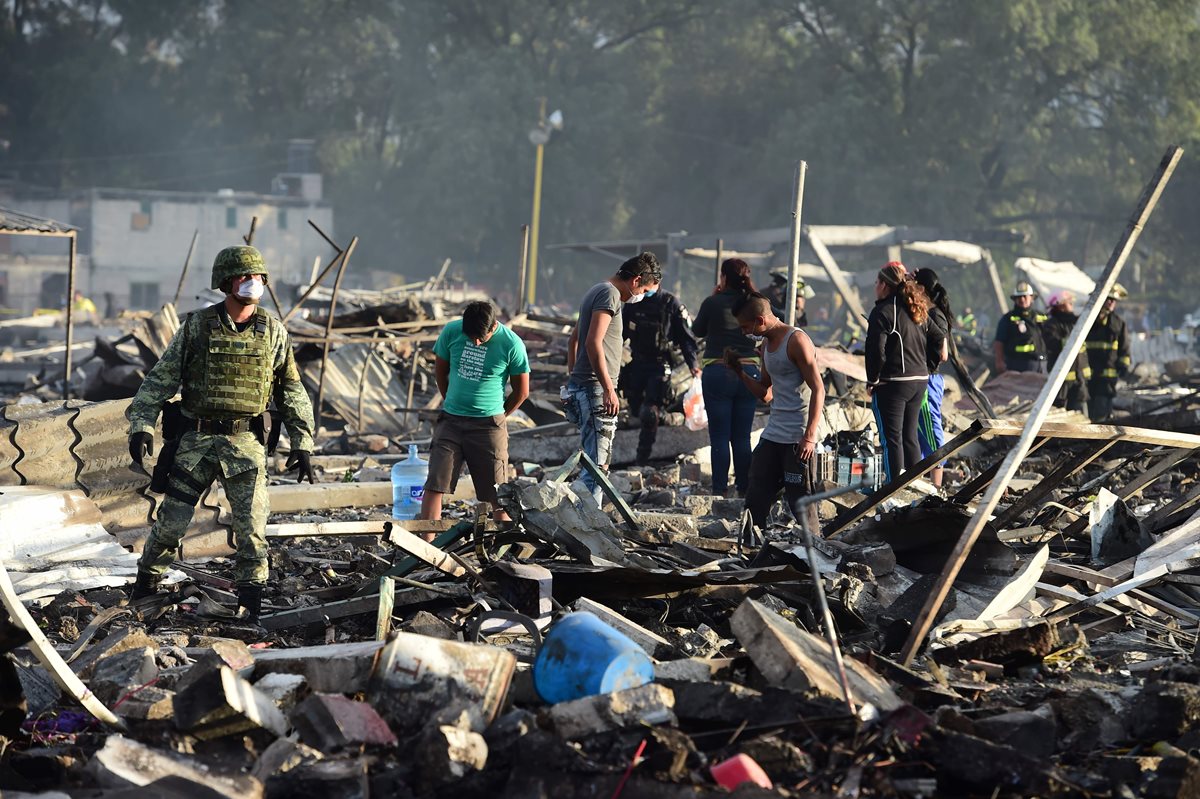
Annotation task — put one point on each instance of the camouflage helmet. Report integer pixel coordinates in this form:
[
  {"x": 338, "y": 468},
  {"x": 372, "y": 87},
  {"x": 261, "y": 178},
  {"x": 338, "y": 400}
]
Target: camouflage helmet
[
  {"x": 1023, "y": 290},
  {"x": 234, "y": 262},
  {"x": 1118, "y": 292}
]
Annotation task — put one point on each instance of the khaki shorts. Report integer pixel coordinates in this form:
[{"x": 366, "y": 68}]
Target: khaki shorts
[{"x": 480, "y": 442}]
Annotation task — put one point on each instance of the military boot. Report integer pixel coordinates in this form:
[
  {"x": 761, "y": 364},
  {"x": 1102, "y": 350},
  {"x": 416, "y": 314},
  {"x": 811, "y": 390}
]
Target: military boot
[
  {"x": 146, "y": 585},
  {"x": 250, "y": 603}
]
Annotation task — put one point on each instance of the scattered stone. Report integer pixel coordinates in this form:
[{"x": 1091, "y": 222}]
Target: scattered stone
[
  {"x": 330, "y": 722},
  {"x": 879, "y": 556},
  {"x": 646, "y": 704},
  {"x": 283, "y": 690},
  {"x": 121, "y": 640},
  {"x": 446, "y": 753},
  {"x": 123, "y": 763},
  {"x": 151, "y": 703},
  {"x": 1031, "y": 732},
  {"x": 427, "y": 624},
  {"x": 1165, "y": 710},
  {"x": 219, "y": 702},
  {"x": 123, "y": 673}
]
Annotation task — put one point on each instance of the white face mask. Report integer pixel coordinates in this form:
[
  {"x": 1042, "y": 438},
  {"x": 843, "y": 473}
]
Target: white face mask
[
  {"x": 635, "y": 298},
  {"x": 756, "y": 339},
  {"x": 251, "y": 289}
]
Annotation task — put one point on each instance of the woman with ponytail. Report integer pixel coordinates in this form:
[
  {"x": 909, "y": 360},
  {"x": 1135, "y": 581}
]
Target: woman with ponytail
[
  {"x": 900, "y": 337},
  {"x": 729, "y": 404},
  {"x": 930, "y": 432}
]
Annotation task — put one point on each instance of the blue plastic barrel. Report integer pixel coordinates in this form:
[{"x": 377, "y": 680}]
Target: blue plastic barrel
[
  {"x": 582, "y": 656},
  {"x": 408, "y": 484}
]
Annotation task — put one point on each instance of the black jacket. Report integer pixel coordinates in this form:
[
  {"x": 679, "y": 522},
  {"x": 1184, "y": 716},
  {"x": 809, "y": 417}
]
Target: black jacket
[
  {"x": 1108, "y": 348},
  {"x": 897, "y": 347},
  {"x": 656, "y": 323},
  {"x": 716, "y": 324},
  {"x": 1055, "y": 331}
]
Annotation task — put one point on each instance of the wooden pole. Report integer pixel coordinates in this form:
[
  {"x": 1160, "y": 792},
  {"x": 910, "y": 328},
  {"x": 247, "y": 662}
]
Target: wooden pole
[
  {"x": 337, "y": 284},
  {"x": 794, "y": 261},
  {"x": 70, "y": 314},
  {"x": 186, "y": 263},
  {"x": 717, "y": 262},
  {"x": 1066, "y": 361},
  {"x": 522, "y": 275},
  {"x": 855, "y": 313},
  {"x": 337, "y": 259},
  {"x": 994, "y": 279}
]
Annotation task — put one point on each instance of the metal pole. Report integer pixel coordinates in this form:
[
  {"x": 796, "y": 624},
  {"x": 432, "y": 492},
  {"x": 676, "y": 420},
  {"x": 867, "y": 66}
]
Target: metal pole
[
  {"x": 186, "y": 263},
  {"x": 1041, "y": 408},
  {"x": 337, "y": 284},
  {"x": 794, "y": 263},
  {"x": 819, "y": 585},
  {"x": 521, "y": 273},
  {"x": 531, "y": 295},
  {"x": 70, "y": 315},
  {"x": 717, "y": 263}
]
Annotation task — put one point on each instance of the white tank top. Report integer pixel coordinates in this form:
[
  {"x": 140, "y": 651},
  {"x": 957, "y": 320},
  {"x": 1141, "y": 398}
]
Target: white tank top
[{"x": 790, "y": 395}]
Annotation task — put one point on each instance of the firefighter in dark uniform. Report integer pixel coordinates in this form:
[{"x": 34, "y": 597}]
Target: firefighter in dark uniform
[
  {"x": 659, "y": 332},
  {"x": 1074, "y": 394},
  {"x": 1108, "y": 353},
  {"x": 1019, "y": 346},
  {"x": 776, "y": 294}
]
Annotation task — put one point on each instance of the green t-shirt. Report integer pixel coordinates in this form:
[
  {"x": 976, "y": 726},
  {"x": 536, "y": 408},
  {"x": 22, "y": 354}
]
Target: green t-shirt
[{"x": 478, "y": 374}]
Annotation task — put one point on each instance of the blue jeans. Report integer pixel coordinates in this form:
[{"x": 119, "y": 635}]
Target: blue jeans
[
  {"x": 584, "y": 407},
  {"x": 730, "y": 407}
]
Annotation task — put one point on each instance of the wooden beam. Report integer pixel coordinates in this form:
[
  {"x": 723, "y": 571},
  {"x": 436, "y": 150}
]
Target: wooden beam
[
  {"x": 848, "y": 292},
  {"x": 1169, "y": 461},
  {"x": 1042, "y": 406},
  {"x": 424, "y": 551},
  {"x": 1050, "y": 482}
]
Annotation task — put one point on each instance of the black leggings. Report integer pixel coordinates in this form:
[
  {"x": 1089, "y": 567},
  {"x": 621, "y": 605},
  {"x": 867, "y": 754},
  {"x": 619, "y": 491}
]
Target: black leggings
[{"x": 897, "y": 407}]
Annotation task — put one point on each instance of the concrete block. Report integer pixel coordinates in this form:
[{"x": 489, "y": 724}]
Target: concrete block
[
  {"x": 675, "y": 526},
  {"x": 791, "y": 658},
  {"x": 646, "y": 704},
  {"x": 1031, "y": 732},
  {"x": 653, "y": 643},
  {"x": 699, "y": 504},
  {"x": 429, "y": 625},
  {"x": 330, "y": 722},
  {"x": 328, "y": 779},
  {"x": 337, "y": 668},
  {"x": 149, "y": 704},
  {"x": 633, "y": 479},
  {"x": 117, "y": 675},
  {"x": 283, "y": 754},
  {"x": 284, "y": 690},
  {"x": 446, "y": 753},
  {"x": 221, "y": 703},
  {"x": 117, "y": 641},
  {"x": 1165, "y": 710},
  {"x": 229, "y": 652},
  {"x": 123, "y": 763},
  {"x": 526, "y": 586}
]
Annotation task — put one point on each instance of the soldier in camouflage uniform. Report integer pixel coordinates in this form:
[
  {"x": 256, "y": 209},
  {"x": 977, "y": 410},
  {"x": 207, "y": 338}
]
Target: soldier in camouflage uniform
[{"x": 227, "y": 358}]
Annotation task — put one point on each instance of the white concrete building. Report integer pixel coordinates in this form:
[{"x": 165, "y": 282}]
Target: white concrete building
[{"x": 133, "y": 242}]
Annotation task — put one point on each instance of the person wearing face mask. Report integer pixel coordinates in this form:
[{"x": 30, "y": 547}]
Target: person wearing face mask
[
  {"x": 901, "y": 340},
  {"x": 594, "y": 358},
  {"x": 227, "y": 361},
  {"x": 659, "y": 333},
  {"x": 791, "y": 384}
]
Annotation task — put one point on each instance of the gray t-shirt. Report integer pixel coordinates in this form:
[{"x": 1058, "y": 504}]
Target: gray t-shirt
[{"x": 600, "y": 298}]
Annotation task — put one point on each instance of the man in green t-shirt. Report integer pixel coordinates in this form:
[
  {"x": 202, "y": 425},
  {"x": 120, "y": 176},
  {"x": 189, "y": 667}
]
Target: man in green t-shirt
[{"x": 475, "y": 355}]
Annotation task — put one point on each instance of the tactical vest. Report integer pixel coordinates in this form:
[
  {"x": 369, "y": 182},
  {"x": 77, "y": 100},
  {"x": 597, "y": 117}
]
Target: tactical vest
[
  {"x": 649, "y": 328},
  {"x": 228, "y": 374},
  {"x": 1027, "y": 343}
]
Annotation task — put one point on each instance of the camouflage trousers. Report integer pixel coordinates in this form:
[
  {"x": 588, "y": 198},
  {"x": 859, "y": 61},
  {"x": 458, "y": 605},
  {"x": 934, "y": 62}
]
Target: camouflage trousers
[{"x": 240, "y": 463}]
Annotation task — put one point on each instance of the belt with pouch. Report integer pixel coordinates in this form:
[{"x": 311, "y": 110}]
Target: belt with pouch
[{"x": 221, "y": 427}]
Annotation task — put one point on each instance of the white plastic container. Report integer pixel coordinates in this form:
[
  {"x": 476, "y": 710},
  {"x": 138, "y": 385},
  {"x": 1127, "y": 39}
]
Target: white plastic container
[{"x": 408, "y": 484}]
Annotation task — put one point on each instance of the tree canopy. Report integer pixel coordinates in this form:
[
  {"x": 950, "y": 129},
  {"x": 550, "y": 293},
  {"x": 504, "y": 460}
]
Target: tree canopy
[{"x": 1047, "y": 115}]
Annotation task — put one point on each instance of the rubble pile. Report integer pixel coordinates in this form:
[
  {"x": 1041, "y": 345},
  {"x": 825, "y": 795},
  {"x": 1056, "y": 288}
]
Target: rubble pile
[{"x": 388, "y": 665}]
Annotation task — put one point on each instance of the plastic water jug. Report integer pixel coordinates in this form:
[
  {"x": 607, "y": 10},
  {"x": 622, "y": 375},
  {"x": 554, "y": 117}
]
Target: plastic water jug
[
  {"x": 583, "y": 656},
  {"x": 408, "y": 484}
]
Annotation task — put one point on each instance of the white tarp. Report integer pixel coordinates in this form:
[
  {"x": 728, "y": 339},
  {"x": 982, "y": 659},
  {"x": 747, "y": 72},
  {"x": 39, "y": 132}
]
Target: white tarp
[
  {"x": 961, "y": 251},
  {"x": 1050, "y": 277}
]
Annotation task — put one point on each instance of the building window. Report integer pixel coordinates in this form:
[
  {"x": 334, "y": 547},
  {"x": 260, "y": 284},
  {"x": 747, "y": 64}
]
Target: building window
[
  {"x": 283, "y": 219},
  {"x": 231, "y": 217},
  {"x": 143, "y": 296},
  {"x": 140, "y": 220}
]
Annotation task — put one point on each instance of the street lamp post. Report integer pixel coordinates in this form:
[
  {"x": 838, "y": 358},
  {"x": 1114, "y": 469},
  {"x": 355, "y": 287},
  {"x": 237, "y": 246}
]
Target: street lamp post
[{"x": 539, "y": 136}]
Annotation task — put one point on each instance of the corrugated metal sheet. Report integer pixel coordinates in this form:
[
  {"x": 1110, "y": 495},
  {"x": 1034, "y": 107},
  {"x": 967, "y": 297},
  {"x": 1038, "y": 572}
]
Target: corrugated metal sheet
[
  {"x": 17, "y": 222},
  {"x": 383, "y": 391},
  {"x": 46, "y": 439}
]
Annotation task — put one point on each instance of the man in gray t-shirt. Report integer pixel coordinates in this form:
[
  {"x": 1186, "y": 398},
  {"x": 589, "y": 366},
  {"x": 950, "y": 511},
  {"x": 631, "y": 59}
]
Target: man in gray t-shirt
[{"x": 594, "y": 358}]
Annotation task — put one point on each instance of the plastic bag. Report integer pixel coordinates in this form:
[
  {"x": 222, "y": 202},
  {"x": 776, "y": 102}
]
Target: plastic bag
[{"x": 695, "y": 417}]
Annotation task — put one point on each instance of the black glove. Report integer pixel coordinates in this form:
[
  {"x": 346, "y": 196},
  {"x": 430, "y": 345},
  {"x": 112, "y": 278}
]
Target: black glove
[
  {"x": 140, "y": 445},
  {"x": 303, "y": 460}
]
